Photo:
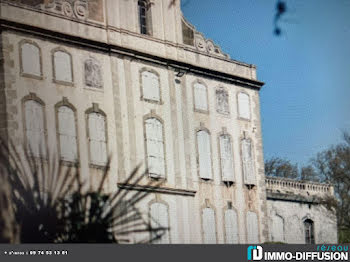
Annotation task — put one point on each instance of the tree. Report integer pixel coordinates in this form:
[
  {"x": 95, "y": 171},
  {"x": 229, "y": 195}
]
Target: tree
[
  {"x": 278, "y": 167},
  {"x": 333, "y": 165},
  {"x": 308, "y": 173}
]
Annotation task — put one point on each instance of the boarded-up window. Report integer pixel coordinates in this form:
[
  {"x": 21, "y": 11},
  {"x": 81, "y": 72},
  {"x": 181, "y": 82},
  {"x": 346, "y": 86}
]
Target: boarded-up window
[
  {"x": 222, "y": 101},
  {"x": 93, "y": 74},
  {"x": 226, "y": 158},
  {"x": 97, "y": 139},
  {"x": 209, "y": 226},
  {"x": 30, "y": 59},
  {"x": 63, "y": 67},
  {"x": 277, "y": 228},
  {"x": 150, "y": 86},
  {"x": 231, "y": 227},
  {"x": 248, "y": 163},
  {"x": 243, "y": 106},
  {"x": 160, "y": 220},
  {"x": 204, "y": 154},
  {"x": 67, "y": 134},
  {"x": 252, "y": 228},
  {"x": 200, "y": 97},
  {"x": 155, "y": 148},
  {"x": 35, "y": 130}
]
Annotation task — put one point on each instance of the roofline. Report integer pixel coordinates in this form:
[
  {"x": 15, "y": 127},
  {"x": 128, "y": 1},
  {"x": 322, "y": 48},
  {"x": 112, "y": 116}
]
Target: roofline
[{"x": 135, "y": 54}]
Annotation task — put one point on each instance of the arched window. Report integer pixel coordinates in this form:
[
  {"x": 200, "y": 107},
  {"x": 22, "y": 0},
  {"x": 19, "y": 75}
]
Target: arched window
[
  {"x": 309, "y": 231},
  {"x": 62, "y": 63},
  {"x": 155, "y": 148},
  {"x": 200, "y": 97},
  {"x": 93, "y": 73},
  {"x": 252, "y": 228},
  {"x": 243, "y": 106},
  {"x": 248, "y": 162},
  {"x": 231, "y": 226},
  {"x": 226, "y": 158},
  {"x": 209, "y": 226},
  {"x": 144, "y": 17},
  {"x": 67, "y": 134},
  {"x": 160, "y": 219},
  {"x": 34, "y": 128},
  {"x": 150, "y": 86},
  {"x": 222, "y": 104},
  {"x": 277, "y": 228},
  {"x": 204, "y": 154},
  {"x": 97, "y": 139},
  {"x": 30, "y": 59}
]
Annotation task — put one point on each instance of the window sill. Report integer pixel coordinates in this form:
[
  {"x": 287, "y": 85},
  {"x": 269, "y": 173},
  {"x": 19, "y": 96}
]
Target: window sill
[
  {"x": 69, "y": 163},
  {"x": 37, "y": 77},
  {"x": 64, "y": 83}
]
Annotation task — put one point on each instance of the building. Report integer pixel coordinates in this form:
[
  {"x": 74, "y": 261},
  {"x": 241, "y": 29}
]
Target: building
[{"x": 135, "y": 80}]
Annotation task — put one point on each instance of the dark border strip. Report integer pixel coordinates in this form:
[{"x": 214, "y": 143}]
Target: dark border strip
[
  {"x": 118, "y": 50},
  {"x": 161, "y": 190}
]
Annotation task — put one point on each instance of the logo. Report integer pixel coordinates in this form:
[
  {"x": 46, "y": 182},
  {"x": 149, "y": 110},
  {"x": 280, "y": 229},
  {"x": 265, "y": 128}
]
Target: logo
[{"x": 255, "y": 253}]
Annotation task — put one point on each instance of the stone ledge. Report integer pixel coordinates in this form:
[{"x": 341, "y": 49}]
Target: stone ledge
[
  {"x": 292, "y": 197},
  {"x": 161, "y": 190}
]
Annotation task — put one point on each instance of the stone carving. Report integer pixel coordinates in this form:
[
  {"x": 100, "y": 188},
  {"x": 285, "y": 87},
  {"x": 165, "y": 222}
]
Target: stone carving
[
  {"x": 207, "y": 45},
  {"x": 77, "y": 9},
  {"x": 93, "y": 74}
]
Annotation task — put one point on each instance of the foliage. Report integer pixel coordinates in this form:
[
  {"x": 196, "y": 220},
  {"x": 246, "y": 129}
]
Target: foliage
[
  {"x": 278, "y": 167},
  {"x": 52, "y": 205}
]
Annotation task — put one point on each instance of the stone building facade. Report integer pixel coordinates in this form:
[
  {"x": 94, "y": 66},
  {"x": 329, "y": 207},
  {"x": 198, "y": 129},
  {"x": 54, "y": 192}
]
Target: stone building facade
[{"x": 134, "y": 80}]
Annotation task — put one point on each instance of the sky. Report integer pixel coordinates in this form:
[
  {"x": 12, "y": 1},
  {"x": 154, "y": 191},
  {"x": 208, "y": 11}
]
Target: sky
[{"x": 305, "y": 103}]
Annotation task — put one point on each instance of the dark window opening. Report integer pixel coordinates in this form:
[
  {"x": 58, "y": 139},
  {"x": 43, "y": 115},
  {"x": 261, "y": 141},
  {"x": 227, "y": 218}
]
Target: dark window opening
[
  {"x": 144, "y": 17},
  {"x": 309, "y": 231}
]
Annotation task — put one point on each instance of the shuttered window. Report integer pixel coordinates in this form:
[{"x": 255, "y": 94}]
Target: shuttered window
[
  {"x": 200, "y": 97},
  {"x": 160, "y": 219},
  {"x": 277, "y": 228},
  {"x": 243, "y": 106},
  {"x": 67, "y": 134},
  {"x": 204, "y": 154},
  {"x": 150, "y": 86},
  {"x": 209, "y": 226},
  {"x": 30, "y": 59},
  {"x": 231, "y": 226},
  {"x": 155, "y": 148},
  {"x": 248, "y": 163},
  {"x": 97, "y": 139},
  {"x": 252, "y": 228},
  {"x": 35, "y": 130},
  {"x": 222, "y": 101},
  {"x": 226, "y": 158},
  {"x": 63, "y": 66}
]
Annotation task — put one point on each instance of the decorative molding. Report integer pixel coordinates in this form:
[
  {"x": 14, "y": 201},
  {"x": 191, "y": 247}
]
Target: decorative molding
[
  {"x": 160, "y": 190},
  {"x": 207, "y": 46},
  {"x": 78, "y": 9}
]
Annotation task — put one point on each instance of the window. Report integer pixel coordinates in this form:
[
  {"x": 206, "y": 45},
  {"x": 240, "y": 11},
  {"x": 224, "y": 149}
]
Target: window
[
  {"x": 204, "y": 154},
  {"x": 67, "y": 134},
  {"x": 160, "y": 219},
  {"x": 209, "y": 226},
  {"x": 150, "y": 86},
  {"x": 222, "y": 101},
  {"x": 231, "y": 226},
  {"x": 34, "y": 128},
  {"x": 155, "y": 148},
  {"x": 200, "y": 97},
  {"x": 30, "y": 59},
  {"x": 93, "y": 74},
  {"x": 144, "y": 17},
  {"x": 277, "y": 229},
  {"x": 97, "y": 139},
  {"x": 252, "y": 228},
  {"x": 243, "y": 106},
  {"x": 309, "y": 231},
  {"x": 248, "y": 163},
  {"x": 226, "y": 158},
  {"x": 62, "y": 67}
]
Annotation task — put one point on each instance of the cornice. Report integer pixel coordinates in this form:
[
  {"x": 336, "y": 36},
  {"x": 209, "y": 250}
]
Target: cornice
[
  {"x": 135, "y": 54},
  {"x": 160, "y": 190}
]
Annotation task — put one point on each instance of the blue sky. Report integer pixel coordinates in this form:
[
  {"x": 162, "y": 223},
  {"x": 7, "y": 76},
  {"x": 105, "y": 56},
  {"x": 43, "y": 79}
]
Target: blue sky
[{"x": 305, "y": 103}]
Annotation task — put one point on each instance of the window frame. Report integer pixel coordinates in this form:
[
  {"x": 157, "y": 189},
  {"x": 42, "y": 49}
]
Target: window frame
[
  {"x": 96, "y": 62},
  {"x": 249, "y": 106},
  {"x": 54, "y": 78},
  {"x": 222, "y": 89},
  {"x": 203, "y": 129},
  {"x": 311, "y": 223},
  {"x": 147, "y": 26},
  {"x": 22, "y": 73},
  {"x": 195, "y": 109},
  {"x": 224, "y": 133},
  {"x": 142, "y": 97},
  {"x": 159, "y": 201}
]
